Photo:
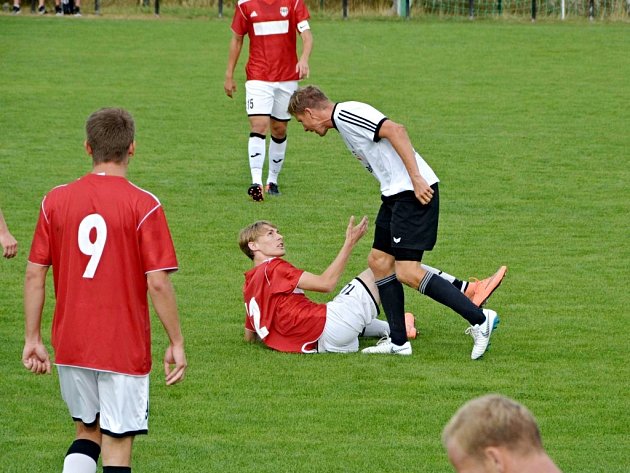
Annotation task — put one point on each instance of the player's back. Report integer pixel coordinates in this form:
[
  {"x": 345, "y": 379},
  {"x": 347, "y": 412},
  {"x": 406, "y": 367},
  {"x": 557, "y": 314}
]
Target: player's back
[{"x": 102, "y": 234}]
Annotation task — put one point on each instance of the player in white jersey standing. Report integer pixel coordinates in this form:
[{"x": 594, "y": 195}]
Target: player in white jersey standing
[
  {"x": 407, "y": 222},
  {"x": 272, "y": 70}
]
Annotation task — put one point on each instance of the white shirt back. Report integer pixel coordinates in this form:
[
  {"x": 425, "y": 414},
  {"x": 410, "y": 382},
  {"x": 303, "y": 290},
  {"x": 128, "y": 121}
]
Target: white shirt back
[{"x": 359, "y": 123}]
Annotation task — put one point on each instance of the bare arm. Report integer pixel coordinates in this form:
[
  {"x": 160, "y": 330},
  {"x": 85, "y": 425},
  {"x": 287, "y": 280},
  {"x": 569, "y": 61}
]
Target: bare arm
[
  {"x": 307, "y": 47},
  {"x": 163, "y": 298},
  {"x": 397, "y": 135},
  {"x": 328, "y": 280},
  {"x": 34, "y": 355},
  {"x": 236, "y": 44},
  {"x": 7, "y": 242}
]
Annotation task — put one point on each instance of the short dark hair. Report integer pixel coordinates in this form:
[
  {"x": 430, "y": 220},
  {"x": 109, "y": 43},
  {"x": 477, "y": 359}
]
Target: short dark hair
[
  {"x": 307, "y": 97},
  {"x": 110, "y": 132}
]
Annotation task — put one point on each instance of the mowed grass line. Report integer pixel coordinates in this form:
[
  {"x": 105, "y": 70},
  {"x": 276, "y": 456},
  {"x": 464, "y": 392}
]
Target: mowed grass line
[{"x": 526, "y": 126}]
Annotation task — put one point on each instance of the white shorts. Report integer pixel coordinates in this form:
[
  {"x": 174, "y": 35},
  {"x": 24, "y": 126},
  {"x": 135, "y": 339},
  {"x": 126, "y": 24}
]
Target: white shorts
[
  {"x": 120, "y": 401},
  {"x": 269, "y": 98},
  {"x": 346, "y": 316}
]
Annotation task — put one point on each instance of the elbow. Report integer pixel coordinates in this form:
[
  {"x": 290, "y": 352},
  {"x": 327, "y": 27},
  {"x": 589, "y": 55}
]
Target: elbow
[
  {"x": 35, "y": 277},
  {"x": 328, "y": 287},
  {"x": 158, "y": 282}
]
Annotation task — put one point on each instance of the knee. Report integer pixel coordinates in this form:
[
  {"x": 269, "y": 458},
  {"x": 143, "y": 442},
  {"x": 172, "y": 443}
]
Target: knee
[
  {"x": 278, "y": 129},
  {"x": 409, "y": 273},
  {"x": 381, "y": 264}
]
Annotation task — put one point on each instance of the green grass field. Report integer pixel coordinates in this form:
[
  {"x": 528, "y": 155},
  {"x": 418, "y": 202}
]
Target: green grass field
[{"x": 527, "y": 127}]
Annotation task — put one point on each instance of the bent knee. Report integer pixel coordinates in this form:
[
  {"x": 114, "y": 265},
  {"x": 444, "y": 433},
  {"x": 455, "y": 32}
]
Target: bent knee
[
  {"x": 409, "y": 273},
  {"x": 381, "y": 264}
]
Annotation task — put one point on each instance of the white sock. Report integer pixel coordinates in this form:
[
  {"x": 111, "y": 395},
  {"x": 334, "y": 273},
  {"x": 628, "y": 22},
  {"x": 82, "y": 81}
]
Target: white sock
[
  {"x": 277, "y": 150},
  {"x": 446, "y": 276},
  {"x": 256, "y": 150},
  {"x": 376, "y": 328},
  {"x": 439, "y": 272},
  {"x": 78, "y": 463}
]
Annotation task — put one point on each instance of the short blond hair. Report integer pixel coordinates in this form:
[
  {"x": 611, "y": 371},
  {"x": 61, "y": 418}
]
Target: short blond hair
[
  {"x": 307, "y": 97},
  {"x": 251, "y": 233},
  {"x": 493, "y": 420}
]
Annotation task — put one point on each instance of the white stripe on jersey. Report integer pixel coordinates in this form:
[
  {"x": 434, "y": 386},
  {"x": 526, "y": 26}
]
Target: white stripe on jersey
[
  {"x": 265, "y": 28},
  {"x": 357, "y": 120}
]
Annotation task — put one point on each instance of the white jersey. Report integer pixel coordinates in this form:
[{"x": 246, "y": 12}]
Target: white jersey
[{"x": 359, "y": 124}]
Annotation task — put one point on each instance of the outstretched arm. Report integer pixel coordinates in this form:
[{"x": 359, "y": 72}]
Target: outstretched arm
[
  {"x": 34, "y": 355},
  {"x": 327, "y": 281},
  {"x": 163, "y": 298},
  {"x": 397, "y": 135}
]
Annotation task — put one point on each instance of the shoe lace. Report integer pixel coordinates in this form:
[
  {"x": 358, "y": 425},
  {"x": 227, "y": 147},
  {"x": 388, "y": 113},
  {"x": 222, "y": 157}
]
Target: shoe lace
[
  {"x": 383, "y": 340},
  {"x": 472, "y": 331}
]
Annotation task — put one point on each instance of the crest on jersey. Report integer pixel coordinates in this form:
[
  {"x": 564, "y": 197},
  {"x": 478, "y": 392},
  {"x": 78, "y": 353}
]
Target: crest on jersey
[{"x": 284, "y": 11}]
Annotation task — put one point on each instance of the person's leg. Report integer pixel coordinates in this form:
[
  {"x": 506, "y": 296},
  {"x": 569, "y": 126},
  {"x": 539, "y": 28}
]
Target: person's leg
[
  {"x": 79, "y": 390},
  {"x": 82, "y": 456},
  {"x": 256, "y": 146},
  {"x": 117, "y": 453},
  {"x": 376, "y": 328},
  {"x": 258, "y": 105},
  {"x": 478, "y": 291},
  {"x": 124, "y": 414},
  {"x": 391, "y": 294},
  {"x": 280, "y": 118},
  {"x": 277, "y": 151},
  {"x": 413, "y": 275}
]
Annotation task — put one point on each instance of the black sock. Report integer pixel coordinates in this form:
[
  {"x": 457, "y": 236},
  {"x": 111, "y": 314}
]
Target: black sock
[
  {"x": 459, "y": 285},
  {"x": 444, "y": 292},
  {"x": 85, "y": 447},
  {"x": 393, "y": 301},
  {"x": 116, "y": 469}
]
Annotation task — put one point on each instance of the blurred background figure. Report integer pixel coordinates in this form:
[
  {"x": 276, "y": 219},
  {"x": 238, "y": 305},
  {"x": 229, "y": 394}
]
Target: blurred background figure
[{"x": 495, "y": 434}]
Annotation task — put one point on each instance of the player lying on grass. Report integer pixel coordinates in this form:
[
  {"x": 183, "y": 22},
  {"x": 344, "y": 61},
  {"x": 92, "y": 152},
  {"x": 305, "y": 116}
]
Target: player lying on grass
[{"x": 283, "y": 318}]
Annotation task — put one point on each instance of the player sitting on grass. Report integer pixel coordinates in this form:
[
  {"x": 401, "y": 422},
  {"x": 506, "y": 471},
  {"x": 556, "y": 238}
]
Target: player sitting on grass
[{"x": 283, "y": 318}]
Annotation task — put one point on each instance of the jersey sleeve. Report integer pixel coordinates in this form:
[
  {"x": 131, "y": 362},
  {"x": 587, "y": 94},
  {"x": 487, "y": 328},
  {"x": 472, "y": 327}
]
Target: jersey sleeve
[
  {"x": 301, "y": 11},
  {"x": 359, "y": 119},
  {"x": 285, "y": 277},
  {"x": 156, "y": 245},
  {"x": 40, "y": 247},
  {"x": 239, "y": 21}
]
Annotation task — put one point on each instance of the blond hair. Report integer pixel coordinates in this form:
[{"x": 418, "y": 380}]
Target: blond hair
[
  {"x": 307, "y": 97},
  {"x": 251, "y": 233},
  {"x": 493, "y": 420}
]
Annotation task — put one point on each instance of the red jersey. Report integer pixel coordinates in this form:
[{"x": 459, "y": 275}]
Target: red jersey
[
  {"x": 278, "y": 311},
  {"x": 102, "y": 234},
  {"x": 272, "y": 28}
]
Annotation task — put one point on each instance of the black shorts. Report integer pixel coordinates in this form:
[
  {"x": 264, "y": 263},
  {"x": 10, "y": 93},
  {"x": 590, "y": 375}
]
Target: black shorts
[{"x": 404, "y": 227}]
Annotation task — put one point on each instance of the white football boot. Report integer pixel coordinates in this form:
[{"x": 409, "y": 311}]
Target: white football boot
[
  {"x": 386, "y": 347},
  {"x": 480, "y": 333}
]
